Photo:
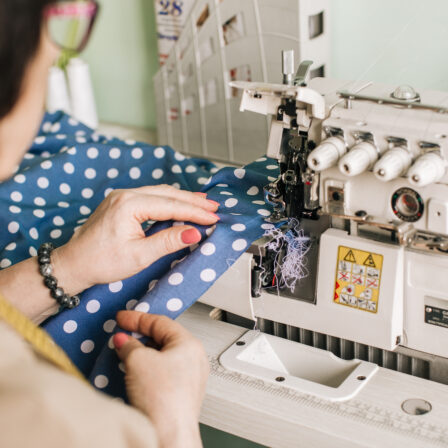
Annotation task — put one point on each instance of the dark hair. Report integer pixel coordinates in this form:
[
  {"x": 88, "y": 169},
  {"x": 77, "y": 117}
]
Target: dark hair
[{"x": 20, "y": 31}]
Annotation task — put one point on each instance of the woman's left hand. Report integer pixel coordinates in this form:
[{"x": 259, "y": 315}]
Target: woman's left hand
[{"x": 112, "y": 246}]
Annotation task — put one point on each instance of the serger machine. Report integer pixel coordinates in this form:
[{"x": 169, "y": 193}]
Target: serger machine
[{"x": 364, "y": 183}]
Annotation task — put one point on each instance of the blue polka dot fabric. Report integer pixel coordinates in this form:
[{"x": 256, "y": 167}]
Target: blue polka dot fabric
[{"x": 66, "y": 174}]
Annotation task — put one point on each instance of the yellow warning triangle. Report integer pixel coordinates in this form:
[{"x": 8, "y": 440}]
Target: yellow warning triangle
[
  {"x": 370, "y": 262},
  {"x": 350, "y": 257}
]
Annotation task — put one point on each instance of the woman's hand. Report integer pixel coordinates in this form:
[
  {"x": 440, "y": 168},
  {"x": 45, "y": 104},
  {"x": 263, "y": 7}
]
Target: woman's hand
[
  {"x": 168, "y": 384},
  {"x": 112, "y": 246}
]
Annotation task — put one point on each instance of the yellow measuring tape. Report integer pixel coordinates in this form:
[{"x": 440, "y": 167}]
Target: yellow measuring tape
[{"x": 37, "y": 338}]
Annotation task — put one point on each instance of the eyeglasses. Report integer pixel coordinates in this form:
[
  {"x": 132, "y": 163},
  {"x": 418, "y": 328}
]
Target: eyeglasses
[{"x": 70, "y": 23}]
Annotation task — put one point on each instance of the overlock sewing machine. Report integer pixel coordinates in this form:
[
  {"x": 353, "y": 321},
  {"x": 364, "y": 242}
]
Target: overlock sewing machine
[{"x": 363, "y": 171}]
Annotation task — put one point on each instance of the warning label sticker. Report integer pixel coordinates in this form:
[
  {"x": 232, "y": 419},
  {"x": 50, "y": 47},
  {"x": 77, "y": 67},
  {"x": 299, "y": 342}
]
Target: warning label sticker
[{"x": 358, "y": 277}]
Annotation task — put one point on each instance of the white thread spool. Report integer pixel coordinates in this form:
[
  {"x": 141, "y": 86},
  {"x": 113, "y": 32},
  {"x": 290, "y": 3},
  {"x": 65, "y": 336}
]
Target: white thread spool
[
  {"x": 81, "y": 92},
  {"x": 57, "y": 91}
]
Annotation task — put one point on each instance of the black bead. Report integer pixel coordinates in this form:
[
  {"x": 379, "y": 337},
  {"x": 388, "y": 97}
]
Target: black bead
[
  {"x": 64, "y": 301},
  {"x": 74, "y": 302},
  {"x": 43, "y": 259},
  {"x": 46, "y": 269},
  {"x": 57, "y": 293},
  {"x": 45, "y": 248},
  {"x": 50, "y": 282}
]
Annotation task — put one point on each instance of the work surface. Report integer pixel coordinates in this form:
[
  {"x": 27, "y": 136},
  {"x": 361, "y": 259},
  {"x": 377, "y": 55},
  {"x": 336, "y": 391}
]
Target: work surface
[{"x": 279, "y": 417}]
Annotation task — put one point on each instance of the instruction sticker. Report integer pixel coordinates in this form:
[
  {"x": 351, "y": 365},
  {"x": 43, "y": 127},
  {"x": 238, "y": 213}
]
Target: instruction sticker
[{"x": 358, "y": 277}]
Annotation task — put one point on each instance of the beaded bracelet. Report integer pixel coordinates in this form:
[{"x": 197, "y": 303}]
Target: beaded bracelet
[{"x": 46, "y": 269}]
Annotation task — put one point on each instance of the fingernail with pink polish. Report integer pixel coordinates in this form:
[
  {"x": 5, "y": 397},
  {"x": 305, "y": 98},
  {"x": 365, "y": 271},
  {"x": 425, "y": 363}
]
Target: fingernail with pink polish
[
  {"x": 120, "y": 339},
  {"x": 215, "y": 216},
  {"x": 204, "y": 195},
  {"x": 191, "y": 236},
  {"x": 214, "y": 203}
]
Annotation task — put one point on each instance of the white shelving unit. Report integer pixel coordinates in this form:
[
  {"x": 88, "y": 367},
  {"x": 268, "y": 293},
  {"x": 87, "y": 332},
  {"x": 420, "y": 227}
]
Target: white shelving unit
[{"x": 225, "y": 40}]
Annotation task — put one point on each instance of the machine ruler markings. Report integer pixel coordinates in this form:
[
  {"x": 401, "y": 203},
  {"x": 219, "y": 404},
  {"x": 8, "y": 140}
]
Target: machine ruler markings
[{"x": 358, "y": 277}]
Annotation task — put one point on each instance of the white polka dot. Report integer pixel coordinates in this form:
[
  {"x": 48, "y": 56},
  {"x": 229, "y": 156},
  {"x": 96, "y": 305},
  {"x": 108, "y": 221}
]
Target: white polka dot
[
  {"x": 13, "y": 227},
  {"x": 263, "y": 212},
  {"x": 176, "y": 185},
  {"x": 108, "y": 191},
  {"x": 142, "y": 307},
  {"x": 39, "y": 201},
  {"x": 39, "y": 213},
  {"x": 210, "y": 230},
  {"x": 15, "y": 209},
  {"x": 238, "y": 227},
  {"x": 208, "y": 275},
  {"x": 259, "y": 202},
  {"x": 239, "y": 245},
  {"x": 239, "y": 173},
  {"x": 93, "y": 306},
  {"x": 159, "y": 153},
  {"x": 55, "y": 128},
  {"x": 61, "y": 136},
  {"x": 227, "y": 193},
  {"x": 115, "y": 287},
  {"x": 11, "y": 246},
  {"x": 261, "y": 159},
  {"x": 178, "y": 156},
  {"x": 191, "y": 169},
  {"x": 70, "y": 326},
  {"x": 63, "y": 204},
  {"x": 272, "y": 179},
  {"x": 81, "y": 139},
  {"x": 267, "y": 226},
  {"x": 157, "y": 173},
  {"x": 134, "y": 173},
  {"x": 174, "y": 304},
  {"x": 130, "y": 304},
  {"x": 87, "y": 346},
  {"x": 231, "y": 202},
  {"x": 112, "y": 173},
  {"x": 176, "y": 169},
  {"x": 20, "y": 178},
  {"x": 214, "y": 170},
  {"x": 69, "y": 168},
  {"x": 130, "y": 142},
  {"x": 85, "y": 210},
  {"x": 5, "y": 263},
  {"x": 32, "y": 251},
  {"x": 92, "y": 153},
  {"x": 46, "y": 127},
  {"x": 153, "y": 284},
  {"x": 137, "y": 153},
  {"x": 34, "y": 233},
  {"x": 272, "y": 167},
  {"x": 87, "y": 193},
  {"x": 46, "y": 164},
  {"x": 101, "y": 381},
  {"x": 122, "y": 367},
  {"x": 202, "y": 180},
  {"x": 175, "y": 279},
  {"x": 56, "y": 233},
  {"x": 110, "y": 343},
  {"x": 82, "y": 221},
  {"x": 90, "y": 173},
  {"x": 28, "y": 156},
  {"x": 65, "y": 188},
  {"x": 43, "y": 182},
  {"x": 45, "y": 154},
  {"x": 73, "y": 122},
  {"x": 114, "y": 153},
  {"x": 58, "y": 221},
  {"x": 253, "y": 191},
  {"x": 109, "y": 326},
  {"x": 208, "y": 249},
  {"x": 222, "y": 185},
  {"x": 39, "y": 140},
  {"x": 16, "y": 196}
]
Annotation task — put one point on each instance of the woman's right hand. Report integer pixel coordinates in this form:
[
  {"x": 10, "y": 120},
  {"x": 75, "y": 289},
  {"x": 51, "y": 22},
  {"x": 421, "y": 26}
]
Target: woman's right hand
[{"x": 168, "y": 383}]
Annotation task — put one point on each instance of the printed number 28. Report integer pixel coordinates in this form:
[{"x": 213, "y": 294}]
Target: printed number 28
[{"x": 171, "y": 7}]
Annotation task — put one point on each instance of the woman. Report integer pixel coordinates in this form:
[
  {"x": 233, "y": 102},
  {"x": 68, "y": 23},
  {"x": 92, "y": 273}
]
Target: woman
[{"x": 38, "y": 401}]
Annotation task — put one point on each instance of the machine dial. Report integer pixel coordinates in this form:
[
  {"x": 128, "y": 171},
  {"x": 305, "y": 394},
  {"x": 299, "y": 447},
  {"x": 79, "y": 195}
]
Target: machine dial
[{"x": 407, "y": 205}]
